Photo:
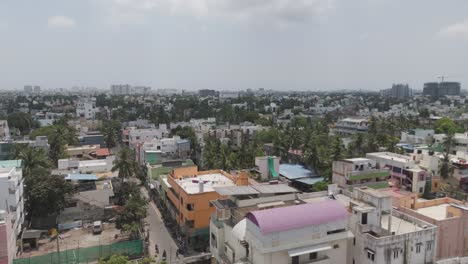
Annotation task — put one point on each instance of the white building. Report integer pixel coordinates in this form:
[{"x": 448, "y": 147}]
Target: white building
[
  {"x": 305, "y": 233},
  {"x": 11, "y": 202},
  {"x": 174, "y": 147},
  {"x": 7, "y": 238},
  {"x": 134, "y": 136},
  {"x": 417, "y": 136},
  {"x": 126, "y": 89},
  {"x": 86, "y": 107},
  {"x": 349, "y": 126},
  {"x": 86, "y": 166},
  {"x": 4, "y": 130},
  {"x": 383, "y": 235},
  {"x": 460, "y": 139}
]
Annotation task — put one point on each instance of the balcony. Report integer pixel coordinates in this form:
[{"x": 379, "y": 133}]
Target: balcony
[{"x": 366, "y": 175}]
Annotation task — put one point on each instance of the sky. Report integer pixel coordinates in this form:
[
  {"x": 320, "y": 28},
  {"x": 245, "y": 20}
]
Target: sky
[{"x": 233, "y": 44}]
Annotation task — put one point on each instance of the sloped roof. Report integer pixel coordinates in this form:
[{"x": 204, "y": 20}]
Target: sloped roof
[
  {"x": 102, "y": 152},
  {"x": 297, "y": 216}
]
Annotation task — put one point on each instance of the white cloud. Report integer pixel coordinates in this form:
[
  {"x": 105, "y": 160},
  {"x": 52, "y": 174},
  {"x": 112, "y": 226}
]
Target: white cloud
[
  {"x": 458, "y": 30},
  {"x": 257, "y": 11},
  {"x": 62, "y": 22}
]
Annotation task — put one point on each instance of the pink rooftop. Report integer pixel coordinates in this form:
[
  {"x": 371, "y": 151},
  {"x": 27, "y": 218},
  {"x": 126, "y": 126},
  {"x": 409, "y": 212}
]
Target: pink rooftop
[{"x": 297, "y": 216}]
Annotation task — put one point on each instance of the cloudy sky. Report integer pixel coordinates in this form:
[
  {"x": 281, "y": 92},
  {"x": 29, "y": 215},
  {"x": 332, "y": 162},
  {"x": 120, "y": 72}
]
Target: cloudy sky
[{"x": 233, "y": 44}]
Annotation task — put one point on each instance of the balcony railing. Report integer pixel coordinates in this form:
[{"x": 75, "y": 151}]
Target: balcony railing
[{"x": 365, "y": 175}]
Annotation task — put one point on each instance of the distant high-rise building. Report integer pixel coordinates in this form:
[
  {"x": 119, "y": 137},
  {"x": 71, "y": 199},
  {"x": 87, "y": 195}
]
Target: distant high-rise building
[
  {"x": 207, "y": 92},
  {"x": 28, "y": 89},
  {"x": 397, "y": 91},
  {"x": 441, "y": 89},
  {"x": 37, "y": 89},
  {"x": 123, "y": 89}
]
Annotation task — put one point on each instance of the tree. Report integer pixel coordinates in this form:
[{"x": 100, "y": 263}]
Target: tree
[
  {"x": 125, "y": 164},
  {"x": 21, "y": 121},
  {"x": 446, "y": 126},
  {"x": 115, "y": 259},
  {"x": 111, "y": 131},
  {"x": 34, "y": 159},
  {"x": 133, "y": 211},
  {"x": 57, "y": 144},
  {"x": 46, "y": 194}
]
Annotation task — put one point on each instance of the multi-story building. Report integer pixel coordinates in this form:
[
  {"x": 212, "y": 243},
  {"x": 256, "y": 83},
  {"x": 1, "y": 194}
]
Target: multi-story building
[
  {"x": 268, "y": 167},
  {"x": 451, "y": 218},
  {"x": 397, "y": 91},
  {"x": 86, "y": 108},
  {"x": 249, "y": 227},
  {"x": 404, "y": 170},
  {"x": 207, "y": 92},
  {"x": 28, "y": 89},
  {"x": 4, "y": 129},
  {"x": 460, "y": 141},
  {"x": 417, "y": 136},
  {"x": 126, "y": 89},
  {"x": 132, "y": 135},
  {"x": 441, "y": 89},
  {"x": 384, "y": 235},
  {"x": 170, "y": 148},
  {"x": 349, "y": 126},
  {"x": 7, "y": 238},
  {"x": 12, "y": 205},
  {"x": 357, "y": 172},
  {"x": 190, "y": 195}
]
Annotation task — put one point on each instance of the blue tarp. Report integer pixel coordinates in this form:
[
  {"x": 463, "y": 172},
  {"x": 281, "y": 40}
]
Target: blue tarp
[{"x": 81, "y": 177}]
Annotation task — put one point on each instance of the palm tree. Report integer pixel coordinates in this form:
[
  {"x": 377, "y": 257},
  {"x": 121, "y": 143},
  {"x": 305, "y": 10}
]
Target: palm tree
[
  {"x": 33, "y": 159},
  {"x": 125, "y": 164}
]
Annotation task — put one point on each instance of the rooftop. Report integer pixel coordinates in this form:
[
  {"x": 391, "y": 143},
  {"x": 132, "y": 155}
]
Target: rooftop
[
  {"x": 399, "y": 225},
  {"x": 437, "y": 212},
  {"x": 81, "y": 177},
  {"x": 5, "y": 172},
  {"x": 10, "y": 163},
  {"x": 297, "y": 216},
  {"x": 391, "y": 156},
  {"x": 102, "y": 152},
  {"x": 191, "y": 184},
  {"x": 294, "y": 171}
]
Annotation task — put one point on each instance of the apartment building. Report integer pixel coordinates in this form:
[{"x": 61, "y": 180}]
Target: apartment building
[
  {"x": 132, "y": 135},
  {"x": 417, "y": 136},
  {"x": 243, "y": 230},
  {"x": 190, "y": 195},
  {"x": 7, "y": 238},
  {"x": 404, "y": 170},
  {"x": 357, "y": 172},
  {"x": 172, "y": 148},
  {"x": 350, "y": 126},
  {"x": 460, "y": 139},
  {"x": 451, "y": 218},
  {"x": 384, "y": 235},
  {"x": 86, "y": 108}
]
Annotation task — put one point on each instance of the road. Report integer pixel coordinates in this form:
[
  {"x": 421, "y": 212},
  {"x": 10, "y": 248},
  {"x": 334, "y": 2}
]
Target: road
[{"x": 158, "y": 233}]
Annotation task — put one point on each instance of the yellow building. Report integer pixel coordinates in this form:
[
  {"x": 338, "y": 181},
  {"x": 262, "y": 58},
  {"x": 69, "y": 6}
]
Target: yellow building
[{"x": 189, "y": 198}]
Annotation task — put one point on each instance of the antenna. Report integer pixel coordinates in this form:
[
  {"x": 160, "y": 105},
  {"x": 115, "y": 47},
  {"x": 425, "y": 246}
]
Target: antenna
[{"x": 442, "y": 78}]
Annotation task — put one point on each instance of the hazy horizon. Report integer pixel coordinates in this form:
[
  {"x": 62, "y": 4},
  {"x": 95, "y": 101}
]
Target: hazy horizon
[{"x": 233, "y": 44}]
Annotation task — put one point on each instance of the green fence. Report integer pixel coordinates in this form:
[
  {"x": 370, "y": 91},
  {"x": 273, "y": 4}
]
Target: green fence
[{"x": 132, "y": 249}]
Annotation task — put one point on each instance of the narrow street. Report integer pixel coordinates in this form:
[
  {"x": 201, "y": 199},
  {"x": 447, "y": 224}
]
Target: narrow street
[{"x": 158, "y": 233}]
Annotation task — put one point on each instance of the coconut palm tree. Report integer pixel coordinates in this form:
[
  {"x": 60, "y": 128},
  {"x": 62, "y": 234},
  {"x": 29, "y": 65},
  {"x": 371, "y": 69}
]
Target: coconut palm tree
[
  {"x": 33, "y": 159},
  {"x": 125, "y": 164}
]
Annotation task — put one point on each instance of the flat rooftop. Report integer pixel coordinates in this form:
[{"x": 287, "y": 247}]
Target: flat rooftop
[
  {"x": 399, "y": 226},
  {"x": 437, "y": 212},
  {"x": 390, "y": 156},
  {"x": 5, "y": 172},
  {"x": 358, "y": 160},
  {"x": 191, "y": 184}
]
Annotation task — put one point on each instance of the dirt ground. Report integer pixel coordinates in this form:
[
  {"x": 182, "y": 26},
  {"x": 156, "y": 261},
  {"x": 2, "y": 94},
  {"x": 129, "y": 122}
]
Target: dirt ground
[{"x": 76, "y": 238}]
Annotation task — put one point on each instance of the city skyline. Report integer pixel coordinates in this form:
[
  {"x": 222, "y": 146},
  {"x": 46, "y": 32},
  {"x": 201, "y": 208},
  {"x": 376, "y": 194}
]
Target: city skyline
[{"x": 232, "y": 45}]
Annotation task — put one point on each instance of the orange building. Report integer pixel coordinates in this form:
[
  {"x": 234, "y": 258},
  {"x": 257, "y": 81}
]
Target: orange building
[{"x": 189, "y": 198}]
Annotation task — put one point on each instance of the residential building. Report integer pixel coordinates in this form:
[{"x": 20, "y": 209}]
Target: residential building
[
  {"x": 190, "y": 195},
  {"x": 7, "y": 238},
  {"x": 207, "y": 92},
  {"x": 404, "y": 170},
  {"x": 451, "y": 218},
  {"x": 91, "y": 138},
  {"x": 417, "y": 136},
  {"x": 384, "y": 235},
  {"x": 170, "y": 148},
  {"x": 11, "y": 207},
  {"x": 4, "y": 130},
  {"x": 132, "y": 136},
  {"x": 243, "y": 230},
  {"x": 349, "y": 126},
  {"x": 357, "y": 172},
  {"x": 460, "y": 140},
  {"x": 28, "y": 89},
  {"x": 126, "y": 89},
  {"x": 441, "y": 89},
  {"x": 85, "y": 166},
  {"x": 397, "y": 91},
  {"x": 86, "y": 108}
]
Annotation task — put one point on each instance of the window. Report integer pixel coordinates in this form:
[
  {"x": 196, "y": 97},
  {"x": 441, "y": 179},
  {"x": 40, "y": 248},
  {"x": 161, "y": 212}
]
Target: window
[
  {"x": 335, "y": 231},
  {"x": 313, "y": 256},
  {"x": 370, "y": 255},
  {"x": 295, "y": 260},
  {"x": 429, "y": 245},
  {"x": 364, "y": 218},
  {"x": 213, "y": 240},
  {"x": 354, "y": 241},
  {"x": 418, "y": 248},
  {"x": 190, "y": 207},
  {"x": 395, "y": 253},
  {"x": 421, "y": 190}
]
